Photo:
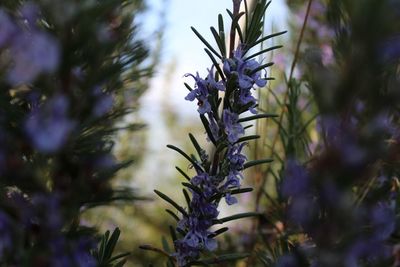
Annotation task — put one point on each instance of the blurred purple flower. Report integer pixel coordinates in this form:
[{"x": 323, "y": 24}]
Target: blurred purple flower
[
  {"x": 5, "y": 233},
  {"x": 7, "y": 28},
  {"x": 389, "y": 50},
  {"x": 367, "y": 250},
  {"x": 30, "y": 12},
  {"x": 49, "y": 127},
  {"x": 302, "y": 210},
  {"x": 33, "y": 53},
  {"x": 81, "y": 253},
  {"x": 232, "y": 128},
  {"x": 383, "y": 221},
  {"x": 287, "y": 260},
  {"x": 296, "y": 180},
  {"x": 103, "y": 105},
  {"x": 47, "y": 213}
]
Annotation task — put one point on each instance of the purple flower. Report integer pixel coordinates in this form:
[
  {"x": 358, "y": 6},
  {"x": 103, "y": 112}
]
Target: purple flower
[
  {"x": 232, "y": 180},
  {"x": 383, "y": 221},
  {"x": 230, "y": 200},
  {"x": 389, "y": 50},
  {"x": 103, "y": 105},
  {"x": 296, "y": 180},
  {"x": 231, "y": 126},
  {"x": 49, "y": 127},
  {"x": 5, "y": 233},
  {"x": 202, "y": 90},
  {"x": 213, "y": 126},
  {"x": 302, "y": 210},
  {"x": 30, "y": 12},
  {"x": 246, "y": 70},
  {"x": 247, "y": 74},
  {"x": 287, "y": 260},
  {"x": 33, "y": 53},
  {"x": 81, "y": 253},
  {"x": 235, "y": 157},
  {"x": 7, "y": 28},
  {"x": 366, "y": 249}
]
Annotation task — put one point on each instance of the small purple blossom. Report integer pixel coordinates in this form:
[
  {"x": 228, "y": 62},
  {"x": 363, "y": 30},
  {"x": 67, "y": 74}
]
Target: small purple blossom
[
  {"x": 245, "y": 70},
  {"x": 202, "y": 90},
  {"x": 247, "y": 74},
  {"x": 49, "y": 127},
  {"x": 235, "y": 157},
  {"x": 232, "y": 128},
  {"x": 230, "y": 200}
]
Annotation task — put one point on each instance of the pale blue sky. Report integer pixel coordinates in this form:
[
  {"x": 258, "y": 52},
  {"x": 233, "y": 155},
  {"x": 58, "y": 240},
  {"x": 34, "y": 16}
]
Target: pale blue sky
[{"x": 183, "y": 49}]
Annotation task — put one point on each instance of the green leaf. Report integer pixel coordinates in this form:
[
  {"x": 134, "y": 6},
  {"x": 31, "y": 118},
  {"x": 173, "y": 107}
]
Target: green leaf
[
  {"x": 264, "y": 51},
  {"x": 205, "y": 42},
  {"x": 222, "y": 32},
  {"x": 218, "y": 232},
  {"x": 180, "y": 151},
  {"x": 220, "y": 42},
  {"x": 188, "y": 87},
  {"x": 236, "y": 217},
  {"x": 195, "y": 144},
  {"x": 256, "y": 162},
  {"x": 112, "y": 242},
  {"x": 104, "y": 240},
  {"x": 264, "y": 39},
  {"x": 165, "y": 244},
  {"x": 269, "y": 64},
  {"x": 170, "y": 212},
  {"x": 183, "y": 173},
  {"x": 247, "y": 138},
  {"x": 232, "y": 192},
  {"x": 120, "y": 264},
  {"x": 235, "y": 23},
  {"x": 122, "y": 255},
  {"x": 173, "y": 233},
  {"x": 170, "y": 201},
  {"x": 215, "y": 63},
  {"x": 193, "y": 187},
  {"x": 257, "y": 116},
  {"x": 187, "y": 198},
  {"x": 207, "y": 128}
]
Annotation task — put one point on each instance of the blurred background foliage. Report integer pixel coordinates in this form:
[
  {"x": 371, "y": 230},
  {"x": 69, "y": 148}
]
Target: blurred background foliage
[{"x": 328, "y": 42}]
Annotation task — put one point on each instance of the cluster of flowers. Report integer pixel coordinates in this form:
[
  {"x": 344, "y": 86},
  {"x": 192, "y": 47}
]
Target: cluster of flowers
[
  {"x": 29, "y": 52},
  {"x": 42, "y": 216},
  {"x": 337, "y": 222},
  {"x": 224, "y": 175}
]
